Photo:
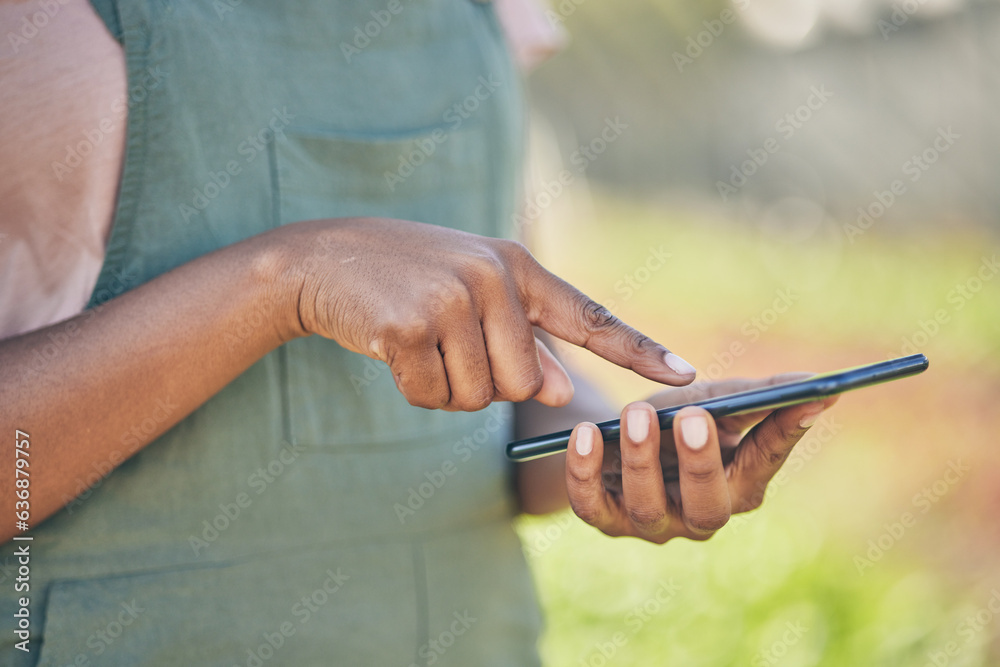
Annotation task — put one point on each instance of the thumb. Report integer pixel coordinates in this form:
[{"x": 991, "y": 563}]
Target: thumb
[
  {"x": 567, "y": 313},
  {"x": 557, "y": 387}
]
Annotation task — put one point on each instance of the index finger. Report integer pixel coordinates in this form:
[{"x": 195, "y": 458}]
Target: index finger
[{"x": 567, "y": 313}]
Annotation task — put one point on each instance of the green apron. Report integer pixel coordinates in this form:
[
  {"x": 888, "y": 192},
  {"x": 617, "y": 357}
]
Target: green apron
[{"x": 306, "y": 515}]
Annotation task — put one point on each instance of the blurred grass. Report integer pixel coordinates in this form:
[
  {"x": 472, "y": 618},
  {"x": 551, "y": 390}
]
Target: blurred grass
[
  {"x": 795, "y": 561},
  {"x": 737, "y": 593}
]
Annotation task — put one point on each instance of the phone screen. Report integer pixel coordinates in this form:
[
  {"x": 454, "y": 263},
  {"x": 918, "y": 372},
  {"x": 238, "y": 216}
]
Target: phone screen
[{"x": 776, "y": 396}]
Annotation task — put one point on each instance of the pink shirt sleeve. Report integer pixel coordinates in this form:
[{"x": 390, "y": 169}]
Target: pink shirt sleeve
[
  {"x": 63, "y": 109},
  {"x": 532, "y": 33},
  {"x": 62, "y": 137}
]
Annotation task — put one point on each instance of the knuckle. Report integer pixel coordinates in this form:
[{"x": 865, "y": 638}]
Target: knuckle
[
  {"x": 427, "y": 401},
  {"x": 633, "y": 342},
  {"x": 786, "y": 434},
  {"x": 595, "y": 316},
  {"x": 587, "y": 511},
  {"x": 598, "y": 320},
  {"x": 409, "y": 332},
  {"x": 578, "y": 480},
  {"x": 485, "y": 267},
  {"x": 452, "y": 295},
  {"x": 638, "y": 467},
  {"x": 475, "y": 401},
  {"x": 708, "y": 522},
  {"x": 647, "y": 519},
  {"x": 767, "y": 452},
  {"x": 420, "y": 393},
  {"x": 774, "y": 457},
  {"x": 526, "y": 384},
  {"x": 702, "y": 472},
  {"x": 512, "y": 249}
]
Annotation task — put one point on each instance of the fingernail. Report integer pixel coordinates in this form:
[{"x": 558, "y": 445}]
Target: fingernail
[
  {"x": 584, "y": 441},
  {"x": 637, "y": 422},
  {"x": 809, "y": 418},
  {"x": 694, "y": 430},
  {"x": 678, "y": 365}
]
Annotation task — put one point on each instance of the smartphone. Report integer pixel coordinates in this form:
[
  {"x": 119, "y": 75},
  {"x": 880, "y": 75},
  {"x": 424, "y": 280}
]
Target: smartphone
[{"x": 764, "y": 398}]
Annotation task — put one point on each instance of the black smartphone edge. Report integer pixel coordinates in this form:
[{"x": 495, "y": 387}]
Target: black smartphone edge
[{"x": 809, "y": 389}]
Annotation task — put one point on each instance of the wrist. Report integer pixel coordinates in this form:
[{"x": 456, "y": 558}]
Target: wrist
[
  {"x": 278, "y": 269},
  {"x": 294, "y": 261}
]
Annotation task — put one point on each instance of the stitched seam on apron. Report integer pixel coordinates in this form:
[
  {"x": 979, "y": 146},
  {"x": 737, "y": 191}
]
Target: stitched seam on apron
[
  {"x": 286, "y": 411},
  {"x": 420, "y": 596}
]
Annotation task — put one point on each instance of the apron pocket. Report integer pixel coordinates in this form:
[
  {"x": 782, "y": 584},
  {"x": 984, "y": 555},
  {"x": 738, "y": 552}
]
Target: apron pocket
[
  {"x": 344, "y": 606},
  {"x": 438, "y": 175}
]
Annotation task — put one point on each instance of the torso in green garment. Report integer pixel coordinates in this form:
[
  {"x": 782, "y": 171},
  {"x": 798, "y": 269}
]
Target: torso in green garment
[{"x": 306, "y": 515}]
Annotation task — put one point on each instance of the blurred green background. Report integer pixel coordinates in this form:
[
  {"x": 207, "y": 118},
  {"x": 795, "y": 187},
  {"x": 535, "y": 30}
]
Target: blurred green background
[{"x": 877, "y": 543}]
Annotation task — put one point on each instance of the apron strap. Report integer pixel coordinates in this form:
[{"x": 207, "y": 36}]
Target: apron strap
[{"x": 108, "y": 11}]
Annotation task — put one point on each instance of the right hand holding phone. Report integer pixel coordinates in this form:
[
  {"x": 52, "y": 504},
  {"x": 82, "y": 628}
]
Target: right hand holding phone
[{"x": 688, "y": 481}]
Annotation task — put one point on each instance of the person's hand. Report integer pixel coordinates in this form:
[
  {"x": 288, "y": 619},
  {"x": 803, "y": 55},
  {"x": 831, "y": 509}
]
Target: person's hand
[
  {"x": 451, "y": 313},
  {"x": 685, "y": 482}
]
